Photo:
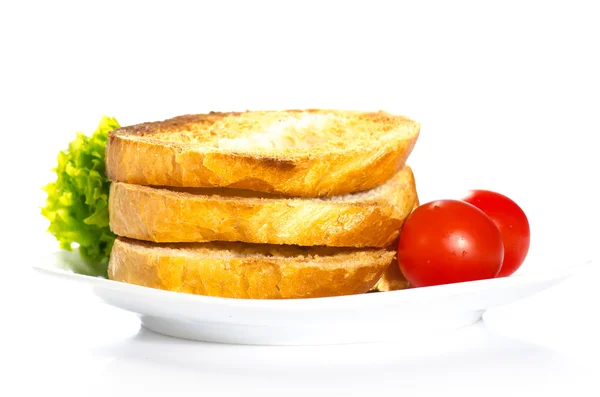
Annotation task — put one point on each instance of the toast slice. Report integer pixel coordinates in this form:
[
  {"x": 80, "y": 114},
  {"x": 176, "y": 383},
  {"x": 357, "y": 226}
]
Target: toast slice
[
  {"x": 300, "y": 153},
  {"x": 366, "y": 219},
  {"x": 238, "y": 270}
]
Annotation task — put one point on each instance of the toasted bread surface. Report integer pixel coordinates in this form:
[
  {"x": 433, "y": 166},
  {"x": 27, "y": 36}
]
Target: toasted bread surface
[
  {"x": 301, "y": 153},
  {"x": 367, "y": 219},
  {"x": 392, "y": 279},
  {"x": 239, "y": 270}
]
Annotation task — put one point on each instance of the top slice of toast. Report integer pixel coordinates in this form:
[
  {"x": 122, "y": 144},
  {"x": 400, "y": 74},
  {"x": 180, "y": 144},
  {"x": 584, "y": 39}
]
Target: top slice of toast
[{"x": 303, "y": 153}]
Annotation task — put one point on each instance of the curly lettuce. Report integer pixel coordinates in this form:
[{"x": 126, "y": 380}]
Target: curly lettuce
[{"x": 77, "y": 202}]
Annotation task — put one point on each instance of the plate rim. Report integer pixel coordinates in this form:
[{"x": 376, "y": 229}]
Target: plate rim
[{"x": 557, "y": 274}]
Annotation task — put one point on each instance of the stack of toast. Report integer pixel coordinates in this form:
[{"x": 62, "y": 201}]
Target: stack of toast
[{"x": 262, "y": 204}]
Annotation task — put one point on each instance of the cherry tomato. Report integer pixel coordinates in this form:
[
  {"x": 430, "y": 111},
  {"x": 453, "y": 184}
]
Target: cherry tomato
[
  {"x": 512, "y": 223},
  {"x": 449, "y": 241}
]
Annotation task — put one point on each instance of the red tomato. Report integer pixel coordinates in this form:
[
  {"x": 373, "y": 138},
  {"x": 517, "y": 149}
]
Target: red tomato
[
  {"x": 449, "y": 241},
  {"x": 512, "y": 223}
]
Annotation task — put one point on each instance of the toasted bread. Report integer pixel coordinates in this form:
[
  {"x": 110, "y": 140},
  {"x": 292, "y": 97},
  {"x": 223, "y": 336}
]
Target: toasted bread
[
  {"x": 301, "y": 153},
  {"x": 367, "y": 219},
  {"x": 392, "y": 279},
  {"x": 238, "y": 270}
]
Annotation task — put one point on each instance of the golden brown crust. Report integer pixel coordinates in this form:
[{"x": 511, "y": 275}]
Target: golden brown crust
[
  {"x": 238, "y": 270},
  {"x": 368, "y": 219},
  {"x": 392, "y": 279},
  {"x": 354, "y": 151}
]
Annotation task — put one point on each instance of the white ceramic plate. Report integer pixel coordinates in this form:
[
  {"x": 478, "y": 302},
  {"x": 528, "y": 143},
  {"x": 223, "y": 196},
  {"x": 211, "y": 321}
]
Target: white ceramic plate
[{"x": 346, "y": 319}]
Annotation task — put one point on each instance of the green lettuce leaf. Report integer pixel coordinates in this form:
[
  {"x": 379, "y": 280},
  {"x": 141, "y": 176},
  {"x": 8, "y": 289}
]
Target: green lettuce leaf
[{"x": 77, "y": 202}]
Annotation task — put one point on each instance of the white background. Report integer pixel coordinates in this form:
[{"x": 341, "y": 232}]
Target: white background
[{"x": 508, "y": 95}]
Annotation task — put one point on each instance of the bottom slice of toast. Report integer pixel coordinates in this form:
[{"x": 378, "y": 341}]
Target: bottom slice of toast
[{"x": 256, "y": 271}]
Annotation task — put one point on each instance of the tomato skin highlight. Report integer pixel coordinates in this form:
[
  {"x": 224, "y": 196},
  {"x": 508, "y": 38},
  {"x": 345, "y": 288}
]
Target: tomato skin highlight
[
  {"x": 512, "y": 223},
  {"x": 449, "y": 241}
]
